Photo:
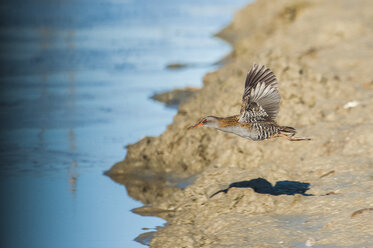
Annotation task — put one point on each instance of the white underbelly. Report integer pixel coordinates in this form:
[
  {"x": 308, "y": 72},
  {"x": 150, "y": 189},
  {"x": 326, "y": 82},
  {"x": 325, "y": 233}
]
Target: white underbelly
[{"x": 243, "y": 132}]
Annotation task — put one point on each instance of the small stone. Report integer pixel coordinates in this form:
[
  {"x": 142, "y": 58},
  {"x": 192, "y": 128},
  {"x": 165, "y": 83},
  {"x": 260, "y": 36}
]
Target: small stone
[
  {"x": 310, "y": 242},
  {"x": 351, "y": 104}
]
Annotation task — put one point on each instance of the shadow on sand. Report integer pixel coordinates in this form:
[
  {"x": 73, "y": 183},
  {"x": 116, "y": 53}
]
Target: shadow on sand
[{"x": 262, "y": 186}]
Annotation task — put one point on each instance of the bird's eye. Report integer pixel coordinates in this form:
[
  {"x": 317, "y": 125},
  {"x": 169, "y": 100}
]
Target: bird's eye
[{"x": 204, "y": 121}]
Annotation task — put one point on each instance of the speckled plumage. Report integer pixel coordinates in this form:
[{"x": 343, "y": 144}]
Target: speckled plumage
[{"x": 260, "y": 107}]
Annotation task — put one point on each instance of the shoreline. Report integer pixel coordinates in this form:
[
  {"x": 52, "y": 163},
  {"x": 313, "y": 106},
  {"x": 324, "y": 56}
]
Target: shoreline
[{"x": 320, "y": 53}]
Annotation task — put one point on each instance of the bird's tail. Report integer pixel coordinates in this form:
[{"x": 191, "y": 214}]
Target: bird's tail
[{"x": 289, "y": 132}]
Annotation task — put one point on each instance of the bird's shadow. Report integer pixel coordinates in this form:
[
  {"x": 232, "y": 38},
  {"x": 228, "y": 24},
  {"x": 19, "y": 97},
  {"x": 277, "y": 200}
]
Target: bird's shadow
[{"x": 262, "y": 186}]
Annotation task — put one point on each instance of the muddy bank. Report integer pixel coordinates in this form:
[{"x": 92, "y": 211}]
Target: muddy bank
[
  {"x": 273, "y": 193},
  {"x": 175, "y": 97}
]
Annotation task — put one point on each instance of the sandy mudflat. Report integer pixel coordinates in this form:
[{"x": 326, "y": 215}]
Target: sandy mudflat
[{"x": 271, "y": 193}]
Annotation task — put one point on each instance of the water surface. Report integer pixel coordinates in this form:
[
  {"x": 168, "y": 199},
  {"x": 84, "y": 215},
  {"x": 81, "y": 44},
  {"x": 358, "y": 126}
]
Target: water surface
[{"x": 76, "y": 79}]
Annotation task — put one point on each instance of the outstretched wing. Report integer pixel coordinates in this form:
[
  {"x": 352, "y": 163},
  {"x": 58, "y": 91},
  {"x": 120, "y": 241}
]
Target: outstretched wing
[{"x": 261, "y": 98}]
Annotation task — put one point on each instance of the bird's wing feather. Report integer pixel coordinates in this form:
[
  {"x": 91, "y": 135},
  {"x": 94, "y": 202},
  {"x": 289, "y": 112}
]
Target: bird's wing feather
[{"x": 261, "y": 98}]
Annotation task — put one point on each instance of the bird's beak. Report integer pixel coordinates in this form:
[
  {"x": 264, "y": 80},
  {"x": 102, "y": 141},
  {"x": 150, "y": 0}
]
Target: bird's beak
[{"x": 199, "y": 124}]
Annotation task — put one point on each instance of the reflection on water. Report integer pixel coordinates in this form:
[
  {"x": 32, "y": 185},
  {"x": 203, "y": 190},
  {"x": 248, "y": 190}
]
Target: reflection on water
[{"x": 76, "y": 79}]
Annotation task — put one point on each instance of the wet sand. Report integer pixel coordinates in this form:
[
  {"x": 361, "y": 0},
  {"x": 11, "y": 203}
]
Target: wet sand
[{"x": 272, "y": 193}]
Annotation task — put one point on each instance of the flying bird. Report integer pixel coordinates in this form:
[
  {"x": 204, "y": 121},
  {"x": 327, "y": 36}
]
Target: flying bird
[{"x": 260, "y": 107}]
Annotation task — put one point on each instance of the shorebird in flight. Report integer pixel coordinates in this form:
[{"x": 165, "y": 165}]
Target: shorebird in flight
[{"x": 260, "y": 106}]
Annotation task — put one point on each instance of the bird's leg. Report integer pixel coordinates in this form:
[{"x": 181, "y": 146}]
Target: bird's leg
[{"x": 293, "y": 138}]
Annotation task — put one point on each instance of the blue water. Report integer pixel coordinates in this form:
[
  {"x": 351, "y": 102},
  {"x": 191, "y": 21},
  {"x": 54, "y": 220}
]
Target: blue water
[{"x": 76, "y": 79}]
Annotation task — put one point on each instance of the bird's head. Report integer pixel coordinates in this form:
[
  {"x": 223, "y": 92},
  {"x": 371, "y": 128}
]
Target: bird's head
[{"x": 209, "y": 121}]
